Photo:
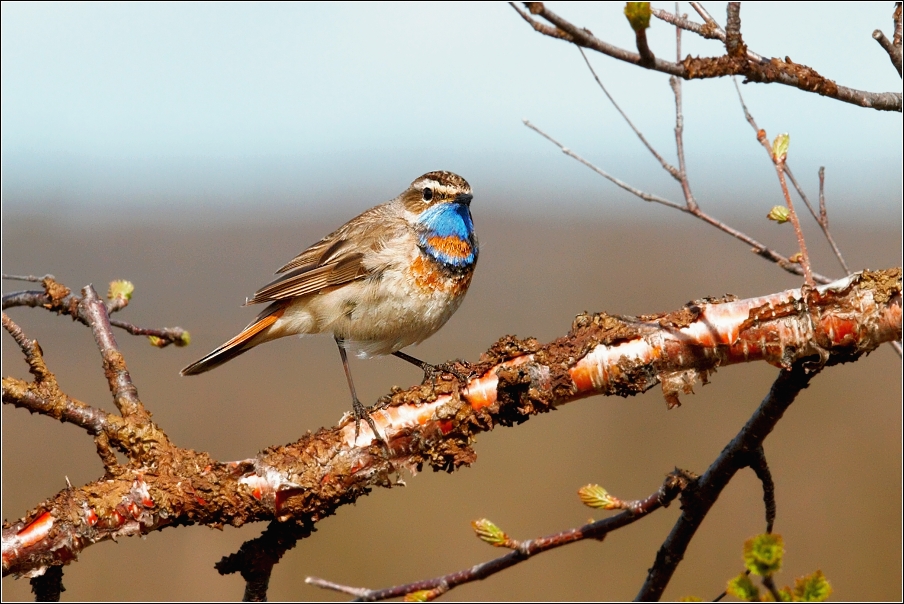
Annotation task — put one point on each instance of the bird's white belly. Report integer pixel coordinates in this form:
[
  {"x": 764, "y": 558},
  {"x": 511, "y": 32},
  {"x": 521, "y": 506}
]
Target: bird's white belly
[{"x": 379, "y": 316}]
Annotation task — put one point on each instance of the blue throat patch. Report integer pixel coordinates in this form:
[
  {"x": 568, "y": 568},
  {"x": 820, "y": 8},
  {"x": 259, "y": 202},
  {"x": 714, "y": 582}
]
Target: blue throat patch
[{"x": 450, "y": 223}]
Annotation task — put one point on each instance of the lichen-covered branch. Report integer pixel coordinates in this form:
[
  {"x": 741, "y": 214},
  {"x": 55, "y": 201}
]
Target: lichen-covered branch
[
  {"x": 738, "y": 60},
  {"x": 164, "y": 485}
]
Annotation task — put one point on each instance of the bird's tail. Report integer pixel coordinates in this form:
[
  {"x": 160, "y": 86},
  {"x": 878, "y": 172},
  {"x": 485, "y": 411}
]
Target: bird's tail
[{"x": 239, "y": 344}]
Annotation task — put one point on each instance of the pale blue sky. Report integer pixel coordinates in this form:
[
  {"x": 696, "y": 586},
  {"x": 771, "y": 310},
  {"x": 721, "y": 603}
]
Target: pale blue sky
[{"x": 231, "y": 105}]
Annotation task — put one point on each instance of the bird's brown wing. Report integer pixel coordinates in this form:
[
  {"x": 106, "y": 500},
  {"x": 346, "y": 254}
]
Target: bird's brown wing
[{"x": 336, "y": 259}]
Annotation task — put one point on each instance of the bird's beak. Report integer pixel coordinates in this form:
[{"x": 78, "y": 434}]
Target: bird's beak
[{"x": 464, "y": 199}]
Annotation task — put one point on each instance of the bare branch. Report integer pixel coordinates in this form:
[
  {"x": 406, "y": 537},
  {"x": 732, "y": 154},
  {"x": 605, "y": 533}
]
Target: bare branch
[
  {"x": 822, "y": 218},
  {"x": 47, "y": 587},
  {"x": 893, "y": 53},
  {"x": 30, "y": 278},
  {"x": 757, "y": 247},
  {"x": 761, "y": 468},
  {"x": 45, "y": 396},
  {"x": 705, "y": 31},
  {"x": 734, "y": 43},
  {"x": 125, "y": 395},
  {"x": 57, "y": 298},
  {"x": 643, "y": 195},
  {"x": 804, "y": 256},
  {"x": 257, "y": 557},
  {"x": 675, "y": 483},
  {"x": 666, "y": 165},
  {"x": 750, "y": 65},
  {"x": 696, "y": 504}
]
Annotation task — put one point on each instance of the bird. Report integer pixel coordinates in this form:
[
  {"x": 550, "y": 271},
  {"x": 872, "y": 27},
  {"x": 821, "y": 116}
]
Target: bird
[{"x": 387, "y": 279}]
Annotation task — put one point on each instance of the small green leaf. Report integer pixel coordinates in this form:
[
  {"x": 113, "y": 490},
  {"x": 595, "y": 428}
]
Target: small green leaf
[
  {"x": 780, "y": 147},
  {"x": 638, "y": 14},
  {"x": 743, "y": 588},
  {"x": 185, "y": 340},
  {"x": 418, "y": 596},
  {"x": 812, "y": 588},
  {"x": 155, "y": 341},
  {"x": 780, "y": 214},
  {"x": 120, "y": 289},
  {"x": 595, "y": 496},
  {"x": 490, "y": 533},
  {"x": 763, "y": 554}
]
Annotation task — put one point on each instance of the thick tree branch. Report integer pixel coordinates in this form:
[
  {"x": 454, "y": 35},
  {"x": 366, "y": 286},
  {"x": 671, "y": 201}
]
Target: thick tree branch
[{"x": 308, "y": 480}]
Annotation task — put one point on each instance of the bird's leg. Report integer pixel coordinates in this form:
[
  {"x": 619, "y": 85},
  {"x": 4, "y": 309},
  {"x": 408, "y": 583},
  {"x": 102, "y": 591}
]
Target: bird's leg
[
  {"x": 358, "y": 409},
  {"x": 431, "y": 371}
]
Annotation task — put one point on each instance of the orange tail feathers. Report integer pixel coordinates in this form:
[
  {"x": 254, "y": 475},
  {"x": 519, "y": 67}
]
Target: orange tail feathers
[{"x": 237, "y": 345}]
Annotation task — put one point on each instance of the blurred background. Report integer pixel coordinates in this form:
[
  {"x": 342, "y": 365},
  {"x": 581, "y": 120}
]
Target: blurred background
[{"x": 195, "y": 148}]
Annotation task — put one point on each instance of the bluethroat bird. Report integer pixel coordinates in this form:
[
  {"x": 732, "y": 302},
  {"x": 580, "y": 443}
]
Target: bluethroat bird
[{"x": 384, "y": 280}]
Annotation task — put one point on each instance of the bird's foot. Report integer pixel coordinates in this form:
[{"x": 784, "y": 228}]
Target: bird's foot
[
  {"x": 431, "y": 372},
  {"x": 360, "y": 412}
]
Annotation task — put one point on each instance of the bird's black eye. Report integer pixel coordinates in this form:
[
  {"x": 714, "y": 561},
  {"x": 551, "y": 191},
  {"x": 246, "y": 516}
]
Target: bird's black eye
[{"x": 428, "y": 194}]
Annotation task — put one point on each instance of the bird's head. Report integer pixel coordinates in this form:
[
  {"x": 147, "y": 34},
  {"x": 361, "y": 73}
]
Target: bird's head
[
  {"x": 435, "y": 188},
  {"x": 438, "y": 205}
]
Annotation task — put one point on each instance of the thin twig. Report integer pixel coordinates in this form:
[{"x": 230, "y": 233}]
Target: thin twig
[
  {"x": 896, "y": 17},
  {"x": 634, "y": 191},
  {"x": 677, "y": 20},
  {"x": 795, "y": 221},
  {"x": 675, "y": 83},
  {"x": 697, "y": 503},
  {"x": 822, "y": 217},
  {"x": 769, "y": 582},
  {"x": 125, "y": 394},
  {"x": 758, "y": 248},
  {"x": 893, "y": 53},
  {"x": 676, "y": 482},
  {"x": 57, "y": 298},
  {"x": 689, "y": 200},
  {"x": 666, "y": 165},
  {"x": 30, "y": 278},
  {"x": 761, "y": 468}
]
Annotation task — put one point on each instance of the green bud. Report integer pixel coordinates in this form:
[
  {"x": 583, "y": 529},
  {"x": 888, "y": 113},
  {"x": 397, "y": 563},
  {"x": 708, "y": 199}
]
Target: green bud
[
  {"x": 120, "y": 289},
  {"x": 743, "y": 588},
  {"x": 763, "y": 554},
  {"x": 638, "y": 14},
  {"x": 490, "y": 533},
  {"x": 780, "y": 147},
  {"x": 595, "y": 496},
  {"x": 780, "y": 214},
  {"x": 155, "y": 341},
  {"x": 812, "y": 588},
  {"x": 422, "y": 595},
  {"x": 185, "y": 340}
]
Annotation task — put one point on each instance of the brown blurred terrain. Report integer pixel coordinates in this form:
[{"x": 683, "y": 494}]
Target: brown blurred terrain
[{"x": 836, "y": 456}]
